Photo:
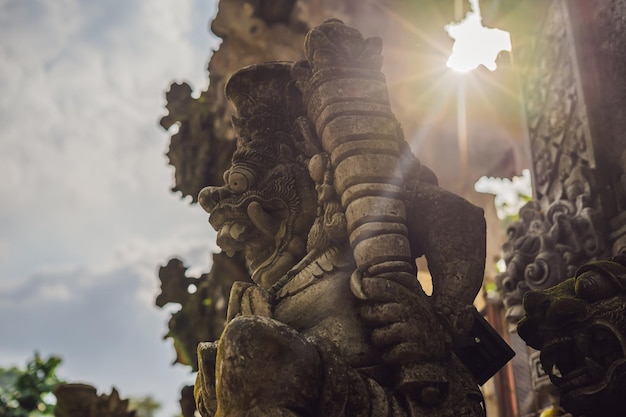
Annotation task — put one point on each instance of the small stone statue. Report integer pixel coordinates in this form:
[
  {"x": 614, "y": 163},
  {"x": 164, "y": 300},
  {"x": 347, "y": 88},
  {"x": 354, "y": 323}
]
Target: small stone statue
[
  {"x": 331, "y": 209},
  {"x": 82, "y": 400},
  {"x": 579, "y": 326}
]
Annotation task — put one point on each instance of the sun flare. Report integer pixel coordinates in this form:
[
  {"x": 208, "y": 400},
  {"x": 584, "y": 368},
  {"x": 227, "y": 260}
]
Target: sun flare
[{"x": 475, "y": 44}]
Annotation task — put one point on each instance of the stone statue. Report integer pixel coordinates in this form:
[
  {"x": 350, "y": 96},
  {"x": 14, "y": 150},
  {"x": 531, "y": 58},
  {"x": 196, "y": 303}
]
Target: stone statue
[
  {"x": 331, "y": 209},
  {"x": 580, "y": 327}
]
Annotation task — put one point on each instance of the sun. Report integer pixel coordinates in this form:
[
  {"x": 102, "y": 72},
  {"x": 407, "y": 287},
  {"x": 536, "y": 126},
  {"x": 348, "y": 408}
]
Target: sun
[{"x": 475, "y": 44}]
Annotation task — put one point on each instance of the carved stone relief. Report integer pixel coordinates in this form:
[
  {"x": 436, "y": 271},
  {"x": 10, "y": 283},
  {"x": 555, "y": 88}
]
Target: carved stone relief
[
  {"x": 544, "y": 247},
  {"x": 575, "y": 120},
  {"x": 609, "y": 25},
  {"x": 564, "y": 226}
]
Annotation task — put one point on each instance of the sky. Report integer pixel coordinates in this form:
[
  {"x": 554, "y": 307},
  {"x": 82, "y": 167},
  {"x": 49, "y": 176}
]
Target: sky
[{"x": 86, "y": 211}]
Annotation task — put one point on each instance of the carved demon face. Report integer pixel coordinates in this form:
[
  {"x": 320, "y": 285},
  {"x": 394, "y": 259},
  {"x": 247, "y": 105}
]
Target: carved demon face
[
  {"x": 268, "y": 202},
  {"x": 580, "y": 328},
  {"x": 265, "y": 208}
]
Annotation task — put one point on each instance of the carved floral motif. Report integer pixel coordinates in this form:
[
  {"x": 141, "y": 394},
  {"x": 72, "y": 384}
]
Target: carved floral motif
[{"x": 543, "y": 247}]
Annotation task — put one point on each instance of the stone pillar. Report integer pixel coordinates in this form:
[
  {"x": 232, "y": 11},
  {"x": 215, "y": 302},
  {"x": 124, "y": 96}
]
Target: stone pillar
[{"x": 571, "y": 60}]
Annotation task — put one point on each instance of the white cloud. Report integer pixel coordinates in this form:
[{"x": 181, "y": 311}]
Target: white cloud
[
  {"x": 86, "y": 216},
  {"x": 54, "y": 292},
  {"x": 83, "y": 87},
  {"x": 4, "y": 250},
  {"x": 102, "y": 320}
]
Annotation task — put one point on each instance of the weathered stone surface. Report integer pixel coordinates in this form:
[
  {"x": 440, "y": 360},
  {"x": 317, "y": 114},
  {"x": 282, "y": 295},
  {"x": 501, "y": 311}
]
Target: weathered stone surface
[
  {"x": 564, "y": 226},
  {"x": 187, "y": 401},
  {"x": 579, "y": 326},
  {"x": 570, "y": 59},
  {"x": 82, "y": 400},
  {"x": 203, "y": 310},
  {"x": 569, "y": 70},
  {"x": 251, "y": 31},
  {"x": 326, "y": 329}
]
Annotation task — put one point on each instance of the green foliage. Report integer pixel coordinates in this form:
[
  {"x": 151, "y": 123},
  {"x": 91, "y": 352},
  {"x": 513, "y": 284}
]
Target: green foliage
[
  {"x": 144, "y": 406},
  {"x": 511, "y": 194},
  {"x": 28, "y": 392}
]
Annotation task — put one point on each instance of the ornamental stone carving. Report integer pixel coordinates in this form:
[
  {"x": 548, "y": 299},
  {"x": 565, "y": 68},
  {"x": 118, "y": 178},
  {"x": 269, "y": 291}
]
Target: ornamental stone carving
[
  {"x": 570, "y": 60},
  {"x": 543, "y": 247},
  {"x": 565, "y": 225}
]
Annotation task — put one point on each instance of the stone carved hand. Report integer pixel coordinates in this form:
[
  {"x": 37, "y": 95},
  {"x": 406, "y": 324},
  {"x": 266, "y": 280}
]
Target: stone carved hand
[
  {"x": 204, "y": 389},
  {"x": 410, "y": 338},
  {"x": 400, "y": 323}
]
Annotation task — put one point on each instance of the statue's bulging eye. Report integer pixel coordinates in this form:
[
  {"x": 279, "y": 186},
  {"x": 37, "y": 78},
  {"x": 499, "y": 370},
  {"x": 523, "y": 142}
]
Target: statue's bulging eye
[{"x": 240, "y": 179}]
